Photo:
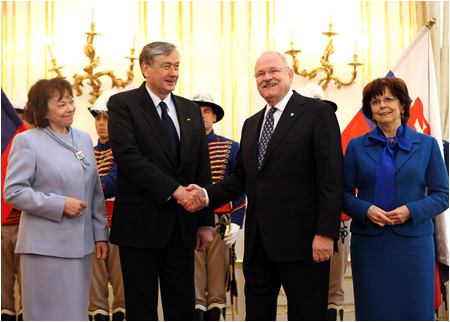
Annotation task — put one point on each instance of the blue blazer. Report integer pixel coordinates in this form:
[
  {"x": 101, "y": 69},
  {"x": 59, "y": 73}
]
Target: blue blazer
[
  {"x": 420, "y": 177},
  {"x": 41, "y": 174}
]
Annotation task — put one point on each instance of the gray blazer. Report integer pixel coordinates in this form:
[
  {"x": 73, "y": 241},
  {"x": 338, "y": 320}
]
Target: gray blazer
[{"x": 41, "y": 173}]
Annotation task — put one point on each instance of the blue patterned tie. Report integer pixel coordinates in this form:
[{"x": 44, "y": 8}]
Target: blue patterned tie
[
  {"x": 385, "y": 194},
  {"x": 171, "y": 131},
  {"x": 265, "y": 136}
]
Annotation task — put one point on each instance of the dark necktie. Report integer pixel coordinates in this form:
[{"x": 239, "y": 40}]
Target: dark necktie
[
  {"x": 385, "y": 195},
  {"x": 171, "y": 132},
  {"x": 265, "y": 136}
]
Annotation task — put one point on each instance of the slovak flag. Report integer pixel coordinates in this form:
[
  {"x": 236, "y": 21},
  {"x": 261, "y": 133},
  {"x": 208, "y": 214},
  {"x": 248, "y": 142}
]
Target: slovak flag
[
  {"x": 416, "y": 68},
  {"x": 11, "y": 125}
]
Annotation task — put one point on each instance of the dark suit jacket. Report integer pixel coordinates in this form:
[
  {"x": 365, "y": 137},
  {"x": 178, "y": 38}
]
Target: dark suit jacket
[
  {"x": 298, "y": 191},
  {"x": 147, "y": 175}
]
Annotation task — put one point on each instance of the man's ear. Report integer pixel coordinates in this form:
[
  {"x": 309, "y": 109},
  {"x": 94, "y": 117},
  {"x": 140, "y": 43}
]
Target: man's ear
[{"x": 145, "y": 69}]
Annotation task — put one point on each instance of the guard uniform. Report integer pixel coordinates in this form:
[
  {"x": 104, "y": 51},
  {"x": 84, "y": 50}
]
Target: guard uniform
[
  {"x": 338, "y": 267},
  {"x": 10, "y": 268},
  {"x": 212, "y": 266},
  {"x": 109, "y": 270}
]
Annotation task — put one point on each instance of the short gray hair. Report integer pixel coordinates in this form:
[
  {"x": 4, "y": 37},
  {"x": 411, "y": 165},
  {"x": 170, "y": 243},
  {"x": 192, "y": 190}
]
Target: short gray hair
[
  {"x": 283, "y": 57},
  {"x": 153, "y": 49}
]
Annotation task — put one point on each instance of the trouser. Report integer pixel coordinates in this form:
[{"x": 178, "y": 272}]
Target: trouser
[
  {"x": 304, "y": 282},
  {"x": 338, "y": 266},
  {"x": 171, "y": 265},
  {"x": 103, "y": 272},
  {"x": 211, "y": 269},
  {"x": 10, "y": 271}
]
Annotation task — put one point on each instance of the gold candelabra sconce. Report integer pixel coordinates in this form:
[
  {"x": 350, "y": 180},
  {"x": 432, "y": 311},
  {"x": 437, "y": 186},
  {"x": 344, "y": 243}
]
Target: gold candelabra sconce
[
  {"x": 93, "y": 79},
  {"x": 326, "y": 67}
]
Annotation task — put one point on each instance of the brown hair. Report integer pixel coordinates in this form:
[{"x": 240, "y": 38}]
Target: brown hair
[
  {"x": 37, "y": 105},
  {"x": 397, "y": 87}
]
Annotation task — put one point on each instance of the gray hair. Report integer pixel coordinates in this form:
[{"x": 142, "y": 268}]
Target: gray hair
[
  {"x": 151, "y": 50},
  {"x": 283, "y": 57}
]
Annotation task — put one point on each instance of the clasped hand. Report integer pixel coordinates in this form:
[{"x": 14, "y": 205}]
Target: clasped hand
[
  {"x": 394, "y": 217},
  {"x": 192, "y": 198}
]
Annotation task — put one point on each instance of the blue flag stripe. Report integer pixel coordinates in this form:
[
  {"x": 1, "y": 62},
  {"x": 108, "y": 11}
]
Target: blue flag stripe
[{"x": 10, "y": 122}]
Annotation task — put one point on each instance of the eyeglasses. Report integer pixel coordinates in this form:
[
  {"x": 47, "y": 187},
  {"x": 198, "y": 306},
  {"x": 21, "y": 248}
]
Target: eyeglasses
[
  {"x": 272, "y": 72},
  {"x": 386, "y": 100}
]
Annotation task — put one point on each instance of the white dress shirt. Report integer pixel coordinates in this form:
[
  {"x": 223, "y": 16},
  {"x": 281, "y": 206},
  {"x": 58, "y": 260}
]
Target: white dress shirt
[{"x": 170, "y": 108}]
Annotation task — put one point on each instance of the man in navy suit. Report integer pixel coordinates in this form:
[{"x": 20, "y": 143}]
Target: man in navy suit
[
  {"x": 159, "y": 144},
  {"x": 290, "y": 166}
]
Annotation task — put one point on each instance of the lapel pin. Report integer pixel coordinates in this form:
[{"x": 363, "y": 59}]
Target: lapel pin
[
  {"x": 292, "y": 114},
  {"x": 188, "y": 120}
]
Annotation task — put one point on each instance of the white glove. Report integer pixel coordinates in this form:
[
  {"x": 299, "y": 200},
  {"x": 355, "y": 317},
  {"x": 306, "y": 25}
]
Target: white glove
[{"x": 231, "y": 235}]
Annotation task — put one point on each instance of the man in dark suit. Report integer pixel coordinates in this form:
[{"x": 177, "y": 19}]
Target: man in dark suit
[
  {"x": 290, "y": 165},
  {"x": 159, "y": 144}
]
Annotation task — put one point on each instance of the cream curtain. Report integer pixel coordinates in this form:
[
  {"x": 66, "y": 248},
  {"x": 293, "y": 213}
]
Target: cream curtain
[{"x": 440, "y": 10}]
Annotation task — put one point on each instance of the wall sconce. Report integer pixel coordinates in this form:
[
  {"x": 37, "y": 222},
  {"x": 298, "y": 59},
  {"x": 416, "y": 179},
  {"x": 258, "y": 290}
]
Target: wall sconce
[
  {"x": 326, "y": 67},
  {"x": 94, "y": 79}
]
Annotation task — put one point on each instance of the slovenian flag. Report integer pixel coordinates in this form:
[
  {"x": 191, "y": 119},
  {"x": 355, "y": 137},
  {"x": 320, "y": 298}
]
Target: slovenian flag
[
  {"x": 416, "y": 68},
  {"x": 11, "y": 125}
]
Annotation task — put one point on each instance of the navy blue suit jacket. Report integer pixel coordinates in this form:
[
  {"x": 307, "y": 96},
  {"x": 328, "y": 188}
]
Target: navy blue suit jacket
[{"x": 421, "y": 183}]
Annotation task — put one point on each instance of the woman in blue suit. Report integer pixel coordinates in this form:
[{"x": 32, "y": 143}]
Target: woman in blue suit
[
  {"x": 52, "y": 177},
  {"x": 395, "y": 184}
]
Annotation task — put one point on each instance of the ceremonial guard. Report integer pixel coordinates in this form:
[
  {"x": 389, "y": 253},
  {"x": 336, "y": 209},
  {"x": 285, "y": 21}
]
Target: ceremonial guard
[
  {"x": 108, "y": 270},
  {"x": 212, "y": 267}
]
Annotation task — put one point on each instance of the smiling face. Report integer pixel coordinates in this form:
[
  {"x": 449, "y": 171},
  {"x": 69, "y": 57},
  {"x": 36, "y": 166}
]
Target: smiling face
[
  {"x": 162, "y": 76},
  {"x": 387, "y": 114},
  {"x": 273, "y": 78},
  {"x": 60, "y": 111}
]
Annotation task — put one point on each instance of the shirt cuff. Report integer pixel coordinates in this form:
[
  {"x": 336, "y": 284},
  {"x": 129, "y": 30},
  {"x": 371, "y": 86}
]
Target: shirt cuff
[{"x": 207, "y": 197}]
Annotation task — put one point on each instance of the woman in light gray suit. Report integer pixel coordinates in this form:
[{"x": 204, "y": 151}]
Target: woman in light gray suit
[{"x": 52, "y": 176}]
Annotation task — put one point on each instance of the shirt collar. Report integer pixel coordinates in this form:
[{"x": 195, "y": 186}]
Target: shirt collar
[
  {"x": 281, "y": 105},
  {"x": 156, "y": 100}
]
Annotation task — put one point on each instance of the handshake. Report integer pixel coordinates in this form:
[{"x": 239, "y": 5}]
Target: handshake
[{"x": 192, "y": 198}]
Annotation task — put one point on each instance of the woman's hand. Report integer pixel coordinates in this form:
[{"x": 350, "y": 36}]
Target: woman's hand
[
  {"x": 378, "y": 216},
  {"x": 101, "y": 250},
  {"x": 399, "y": 215},
  {"x": 74, "y": 207}
]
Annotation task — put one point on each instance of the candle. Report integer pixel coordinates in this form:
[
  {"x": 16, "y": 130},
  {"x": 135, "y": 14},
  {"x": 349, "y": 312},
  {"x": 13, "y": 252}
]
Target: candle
[
  {"x": 92, "y": 15},
  {"x": 355, "y": 47},
  {"x": 133, "y": 43},
  {"x": 50, "y": 51},
  {"x": 331, "y": 16},
  {"x": 292, "y": 35}
]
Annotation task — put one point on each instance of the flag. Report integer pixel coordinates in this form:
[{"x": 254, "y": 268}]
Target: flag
[
  {"x": 11, "y": 125},
  {"x": 416, "y": 68}
]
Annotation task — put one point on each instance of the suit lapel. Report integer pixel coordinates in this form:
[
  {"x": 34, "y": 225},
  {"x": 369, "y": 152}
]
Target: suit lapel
[
  {"x": 254, "y": 128},
  {"x": 154, "y": 121},
  {"x": 290, "y": 115},
  {"x": 403, "y": 156},
  {"x": 185, "y": 122},
  {"x": 373, "y": 150}
]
